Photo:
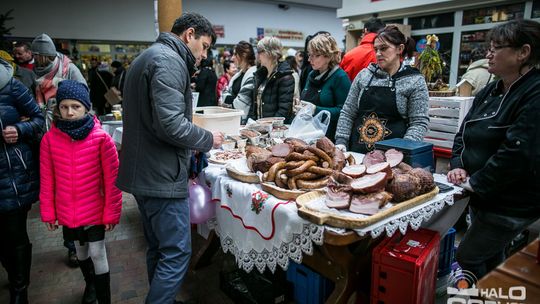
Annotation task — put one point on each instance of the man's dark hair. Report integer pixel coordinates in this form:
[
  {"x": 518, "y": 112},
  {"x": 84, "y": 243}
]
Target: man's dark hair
[
  {"x": 226, "y": 65},
  {"x": 24, "y": 45},
  {"x": 374, "y": 24},
  {"x": 200, "y": 24}
]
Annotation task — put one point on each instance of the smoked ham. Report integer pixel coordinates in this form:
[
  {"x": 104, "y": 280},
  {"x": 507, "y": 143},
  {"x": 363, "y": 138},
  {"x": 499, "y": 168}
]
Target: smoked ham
[
  {"x": 369, "y": 183},
  {"x": 369, "y": 204},
  {"x": 354, "y": 171},
  {"x": 374, "y": 157}
]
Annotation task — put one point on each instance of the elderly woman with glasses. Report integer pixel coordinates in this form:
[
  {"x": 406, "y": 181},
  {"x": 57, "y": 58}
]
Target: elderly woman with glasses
[
  {"x": 388, "y": 99},
  {"x": 327, "y": 85},
  {"x": 496, "y": 153},
  {"x": 274, "y": 84}
]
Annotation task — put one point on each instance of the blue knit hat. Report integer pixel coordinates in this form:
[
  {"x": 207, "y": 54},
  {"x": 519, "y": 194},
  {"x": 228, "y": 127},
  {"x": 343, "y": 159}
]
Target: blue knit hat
[{"x": 71, "y": 89}]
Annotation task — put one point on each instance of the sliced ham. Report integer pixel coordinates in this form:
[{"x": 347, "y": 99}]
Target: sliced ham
[
  {"x": 338, "y": 199},
  {"x": 369, "y": 204},
  {"x": 380, "y": 167},
  {"x": 282, "y": 150},
  {"x": 393, "y": 157},
  {"x": 374, "y": 157},
  {"x": 354, "y": 171},
  {"x": 369, "y": 183}
]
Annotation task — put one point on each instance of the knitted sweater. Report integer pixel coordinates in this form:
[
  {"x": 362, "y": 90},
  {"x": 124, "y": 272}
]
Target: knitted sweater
[{"x": 411, "y": 100}]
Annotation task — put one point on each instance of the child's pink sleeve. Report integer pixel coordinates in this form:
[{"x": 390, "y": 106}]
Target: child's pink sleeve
[
  {"x": 46, "y": 177},
  {"x": 113, "y": 195}
]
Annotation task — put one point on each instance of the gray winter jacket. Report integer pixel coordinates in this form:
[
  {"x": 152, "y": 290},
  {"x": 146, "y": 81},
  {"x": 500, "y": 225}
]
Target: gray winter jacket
[
  {"x": 158, "y": 135},
  {"x": 411, "y": 101}
]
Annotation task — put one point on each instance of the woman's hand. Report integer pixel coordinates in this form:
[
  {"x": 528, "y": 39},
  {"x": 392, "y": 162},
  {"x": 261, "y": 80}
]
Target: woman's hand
[
  {"x": 51, "y": 226},
  {"x": 109, "y": 227},
  {"x": 10, "y": 134},
  {"x": 457, "y": 176}
]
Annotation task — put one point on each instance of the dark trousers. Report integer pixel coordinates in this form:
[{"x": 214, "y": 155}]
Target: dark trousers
[
  {"x": 13, "y": 232},
  {"x": 482, "y": 247},
  {"x": 167, "y": 231}
]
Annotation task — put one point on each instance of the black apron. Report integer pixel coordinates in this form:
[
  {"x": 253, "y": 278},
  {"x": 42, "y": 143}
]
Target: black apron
[{"x": 378, "y": 117}]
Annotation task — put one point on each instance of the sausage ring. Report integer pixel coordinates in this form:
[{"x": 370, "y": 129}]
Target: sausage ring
[
  {"x": 320, "y": 171},
  {"x": 322, "y": 155},
  {"x": 301, "y": 169},
  {"x": 313, "y": 184},
  {"x": 274, "y": 169}
]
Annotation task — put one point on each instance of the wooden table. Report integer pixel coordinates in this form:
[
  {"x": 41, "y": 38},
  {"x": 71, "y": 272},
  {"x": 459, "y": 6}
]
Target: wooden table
[{"x": 521, "y": 269}]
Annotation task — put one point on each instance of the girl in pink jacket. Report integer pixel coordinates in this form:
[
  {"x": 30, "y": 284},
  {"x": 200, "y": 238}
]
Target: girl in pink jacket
[{"x": 78, "y": 169}]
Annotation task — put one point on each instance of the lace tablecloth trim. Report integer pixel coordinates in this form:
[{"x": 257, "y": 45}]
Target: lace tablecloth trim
[{"x": 301, "y": 243}]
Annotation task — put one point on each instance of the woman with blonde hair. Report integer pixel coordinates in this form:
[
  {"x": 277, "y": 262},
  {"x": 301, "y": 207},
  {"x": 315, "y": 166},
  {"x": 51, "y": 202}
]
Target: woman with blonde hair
[
  {"x": 274, "y": 83},
  {"x": 327, "y": 85}
]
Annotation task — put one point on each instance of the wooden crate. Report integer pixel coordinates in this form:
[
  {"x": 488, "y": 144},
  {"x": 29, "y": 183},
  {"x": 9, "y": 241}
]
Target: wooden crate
[{"x": 446, "y": 115}]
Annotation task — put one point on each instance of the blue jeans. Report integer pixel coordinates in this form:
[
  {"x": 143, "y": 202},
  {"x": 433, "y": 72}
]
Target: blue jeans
[
  {"x": 167, "y": 231},
  {"x": 482, "y": 247}
]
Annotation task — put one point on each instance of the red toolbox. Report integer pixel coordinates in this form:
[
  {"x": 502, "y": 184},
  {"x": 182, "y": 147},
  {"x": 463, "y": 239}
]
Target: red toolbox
[{"x": 404, "y": 268}]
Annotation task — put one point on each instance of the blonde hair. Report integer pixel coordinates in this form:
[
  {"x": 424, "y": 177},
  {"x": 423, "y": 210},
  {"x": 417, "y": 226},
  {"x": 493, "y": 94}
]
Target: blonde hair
[
  {"x": 272, "y": 46},
  {"x": 326, "y": 45}
]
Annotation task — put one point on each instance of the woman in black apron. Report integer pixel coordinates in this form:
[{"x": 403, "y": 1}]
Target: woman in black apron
[
  {"x": 328, "y": 85},
  {"x": 387, "y": 99}
]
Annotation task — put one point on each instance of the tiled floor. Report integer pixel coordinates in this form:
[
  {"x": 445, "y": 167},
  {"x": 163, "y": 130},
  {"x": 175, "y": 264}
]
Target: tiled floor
[{"x": 54, "y": 282}]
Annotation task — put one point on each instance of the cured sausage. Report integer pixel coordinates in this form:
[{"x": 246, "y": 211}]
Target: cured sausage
[
  {"x": 274, "y": 169},
  {"x": 350, "y": 160},
  {"x": 295, "y": 156},
  {"x": 320, "y": 171},
  {"x": 294, "y": 164},
  {"x": 279, "y": 178},
  {"x": 301, "y": 169},
  {"x": 322, "y": 155},
  {"x": 312, "y": 184}
]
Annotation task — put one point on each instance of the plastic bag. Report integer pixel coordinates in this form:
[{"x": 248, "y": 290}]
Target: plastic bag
[{"x": 307, "y": 127}]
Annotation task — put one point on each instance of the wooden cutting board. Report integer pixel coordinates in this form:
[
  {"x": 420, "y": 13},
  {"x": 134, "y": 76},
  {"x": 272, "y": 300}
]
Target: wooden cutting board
[{"x": 342, "y": 220}]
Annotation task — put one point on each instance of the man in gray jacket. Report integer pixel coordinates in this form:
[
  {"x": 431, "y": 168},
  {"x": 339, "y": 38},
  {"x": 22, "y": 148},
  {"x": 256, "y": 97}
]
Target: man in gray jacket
[{"x": 157, "y": 141}]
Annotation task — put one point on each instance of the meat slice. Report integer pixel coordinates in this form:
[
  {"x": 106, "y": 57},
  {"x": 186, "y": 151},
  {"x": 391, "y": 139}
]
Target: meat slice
[
  {"x": 338, "y": 198},
  {"x": 340, "y": 178},
  {"x": 338, "y": 159},
  {"x": 369, "y": 183},
  {"x": 282, "y": 150},
  {"x": 354, "y": 171},
  {"x": 369, "y": 204},
  {"x": 393, "y": 157},
  {"x": 380, "y": 167},
  {"x": 374, "y": 157}
]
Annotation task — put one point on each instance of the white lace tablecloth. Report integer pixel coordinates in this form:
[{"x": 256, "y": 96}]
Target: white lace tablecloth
[
  {"x": 271, "y": 235},
  {"x": 259, "y": 232}
]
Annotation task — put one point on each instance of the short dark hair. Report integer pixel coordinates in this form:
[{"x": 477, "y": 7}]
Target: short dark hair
[
  {"x": 199, "y": 23},
  {"x": 245, "y": 51},
  {"x": 226, "y": 65},
  {"x": 374, "y": 24},
  {"x": 517, "y": 33},
  {"x": 116, "y": 64},
  {"x": 393, "y": 35},
  {"x": 24, "y": 45},
  {"x": 291, "y": 60}
]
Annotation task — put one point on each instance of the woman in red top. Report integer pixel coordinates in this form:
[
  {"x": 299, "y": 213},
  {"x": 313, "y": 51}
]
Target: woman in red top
[{"x": 229, "y": 69}]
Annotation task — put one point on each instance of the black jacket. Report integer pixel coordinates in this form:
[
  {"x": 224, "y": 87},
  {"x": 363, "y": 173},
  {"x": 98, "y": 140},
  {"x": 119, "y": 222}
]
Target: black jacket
[
  {"x": 205, "y": 84},
  {"x": 498, "y": 145},
  {"x": 19, "y": 176},
  {"x": 277, "y": 97}
]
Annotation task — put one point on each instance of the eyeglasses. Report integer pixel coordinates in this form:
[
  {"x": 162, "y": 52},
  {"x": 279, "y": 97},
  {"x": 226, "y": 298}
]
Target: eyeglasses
[{"x": 494, "y": 49}]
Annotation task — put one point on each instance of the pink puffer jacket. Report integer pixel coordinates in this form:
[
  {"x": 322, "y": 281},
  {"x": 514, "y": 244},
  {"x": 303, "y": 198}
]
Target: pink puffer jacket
[{"x": 77, "y": 179}]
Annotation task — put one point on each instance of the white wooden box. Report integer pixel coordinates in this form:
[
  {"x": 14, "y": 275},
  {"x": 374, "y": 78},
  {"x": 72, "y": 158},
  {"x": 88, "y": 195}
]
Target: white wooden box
[{"x": 446, "y": 115}]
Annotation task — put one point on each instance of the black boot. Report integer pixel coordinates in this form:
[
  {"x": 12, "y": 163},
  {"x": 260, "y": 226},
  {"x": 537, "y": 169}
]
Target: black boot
[
  {"x": 87, "y": 268},
  {"x": 103, "y": 288},
  {"x": 19, "y": 276}
]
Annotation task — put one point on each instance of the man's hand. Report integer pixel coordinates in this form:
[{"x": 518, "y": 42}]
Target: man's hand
[
  {"x": 218, "y": 139},
  {"x": 109, "y": 227},
  {"x": 457, "y": 176},
  {"x": 51, "y": 226},
  {"x": 10, "y": 134}
]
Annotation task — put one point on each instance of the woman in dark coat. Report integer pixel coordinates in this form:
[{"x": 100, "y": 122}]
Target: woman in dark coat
[
  {"x": 496, "y": 153},
  {"x": 205, "y": 84},
  {"x": 19, "y": 178},
  {"x": 274, "y": 83}
]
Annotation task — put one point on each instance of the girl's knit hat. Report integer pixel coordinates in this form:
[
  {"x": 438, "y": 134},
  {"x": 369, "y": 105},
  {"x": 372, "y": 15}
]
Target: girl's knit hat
[{"x": 71, "y": 89}]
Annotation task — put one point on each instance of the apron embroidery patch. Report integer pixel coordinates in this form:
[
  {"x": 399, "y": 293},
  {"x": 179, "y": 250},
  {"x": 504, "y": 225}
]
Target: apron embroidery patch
[{"x": 372, "y": 130}]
